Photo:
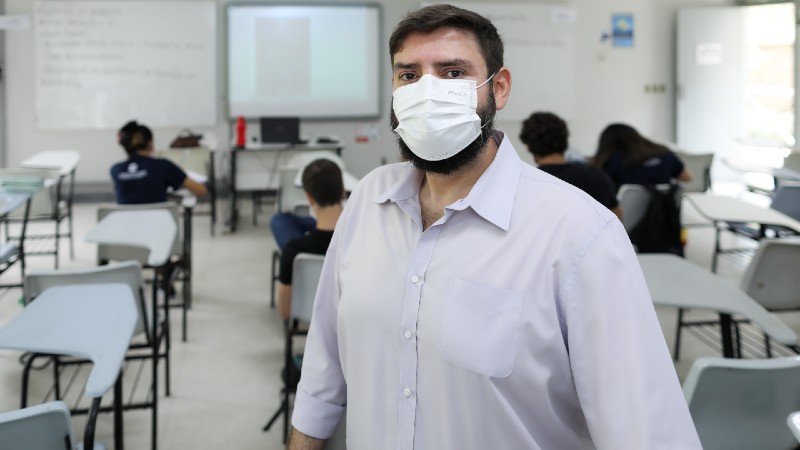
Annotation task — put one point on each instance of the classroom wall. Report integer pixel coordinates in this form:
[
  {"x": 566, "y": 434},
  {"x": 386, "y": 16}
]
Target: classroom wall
[{"x": 610, "y": 87}]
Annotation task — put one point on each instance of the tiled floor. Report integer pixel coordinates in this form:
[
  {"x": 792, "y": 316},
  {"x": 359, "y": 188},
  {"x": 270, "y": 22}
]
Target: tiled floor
[{"x": 226, "y": 377}]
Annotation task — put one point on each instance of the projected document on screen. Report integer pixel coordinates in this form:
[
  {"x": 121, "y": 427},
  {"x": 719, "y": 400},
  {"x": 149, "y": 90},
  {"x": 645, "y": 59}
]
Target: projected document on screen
[{"x": 306, "y": 61}]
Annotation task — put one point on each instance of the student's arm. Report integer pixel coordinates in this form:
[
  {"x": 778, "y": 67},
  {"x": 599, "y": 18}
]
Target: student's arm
[
  {"x": 300, "y": 441},
  {"x": 618, "y": 211},
  {"x": 284, "y": 299},
  {"x": 194, "y": 187},
  {"x": 685, "y": 175}
]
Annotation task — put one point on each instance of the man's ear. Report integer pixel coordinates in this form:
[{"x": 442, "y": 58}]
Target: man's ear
[
  {"x": 502, "y": 87},
  {"x": 310, "y": 200}
]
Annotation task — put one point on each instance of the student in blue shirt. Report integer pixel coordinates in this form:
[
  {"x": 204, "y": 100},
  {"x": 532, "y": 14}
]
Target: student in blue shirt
[
  {"x": 630, "y": 158},
  {"x": 142, "y": 178}
]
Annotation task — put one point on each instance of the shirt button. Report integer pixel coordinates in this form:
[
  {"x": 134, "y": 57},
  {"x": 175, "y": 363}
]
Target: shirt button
[
  {"x": 414, "y": 279},
  {"x": 407, "y": 392},
  {"x": 408, "y": 334}
]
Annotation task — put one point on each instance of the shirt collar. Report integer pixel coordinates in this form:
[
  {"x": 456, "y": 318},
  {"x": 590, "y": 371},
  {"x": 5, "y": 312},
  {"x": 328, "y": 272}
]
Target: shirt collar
[
  {"x": 492, "y": 197},
  {"x": 405, "y": 188}
]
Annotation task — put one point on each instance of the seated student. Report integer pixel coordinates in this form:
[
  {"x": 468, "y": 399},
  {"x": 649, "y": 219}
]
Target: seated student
[
  {"x": 324, "y": 188},
  {"x": 630, "y": 158},
  {"x": 545, "y": 134},
  {"x": 142, "y": 178}
]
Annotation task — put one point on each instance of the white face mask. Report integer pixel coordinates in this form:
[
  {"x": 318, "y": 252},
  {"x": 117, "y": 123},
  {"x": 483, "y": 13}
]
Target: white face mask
[{"x": 437, "y": 117}]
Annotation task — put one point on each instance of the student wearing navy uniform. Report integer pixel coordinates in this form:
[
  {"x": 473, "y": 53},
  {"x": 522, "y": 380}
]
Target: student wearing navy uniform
[{"x": 142, "y": 178}]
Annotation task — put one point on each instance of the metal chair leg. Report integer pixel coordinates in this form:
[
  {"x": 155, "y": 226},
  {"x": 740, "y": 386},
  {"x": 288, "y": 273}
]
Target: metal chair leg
[{"x": 678, "y": 331}]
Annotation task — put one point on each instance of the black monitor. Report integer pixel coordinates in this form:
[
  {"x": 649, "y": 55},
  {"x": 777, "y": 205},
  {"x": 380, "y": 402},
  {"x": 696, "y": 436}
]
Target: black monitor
[{"x": 280, "y": 130}]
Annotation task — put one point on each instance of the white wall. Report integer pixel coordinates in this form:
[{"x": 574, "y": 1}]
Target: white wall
[{"x": 610, "y": 87}]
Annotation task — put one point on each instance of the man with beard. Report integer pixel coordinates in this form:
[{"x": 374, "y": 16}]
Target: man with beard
[{"x": 470, "y": 301}]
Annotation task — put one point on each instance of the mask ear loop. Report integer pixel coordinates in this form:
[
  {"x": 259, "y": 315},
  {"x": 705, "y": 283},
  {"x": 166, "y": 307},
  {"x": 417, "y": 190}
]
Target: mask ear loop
[
  {"x": 476, "y": 87},
  {"x": 487, "y": 80}
]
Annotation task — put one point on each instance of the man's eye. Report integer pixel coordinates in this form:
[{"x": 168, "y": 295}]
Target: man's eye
[
  {"x": 406, "y": 76},
  {"x": 454, "y": 73}
]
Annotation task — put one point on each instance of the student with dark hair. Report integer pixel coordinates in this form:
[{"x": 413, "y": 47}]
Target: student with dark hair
[
  {"x": 630, "y": 158},
  {"x": 546, "y": 136},
  {"x": 324, "y": 188},
  {"x": 142, "y": 178}
]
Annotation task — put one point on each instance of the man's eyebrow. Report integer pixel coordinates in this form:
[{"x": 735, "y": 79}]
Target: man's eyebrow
[
  {"x": 439, "y": 64},
  {"x": 454, "y": 62},
  {"x": 404, "y": 66}
]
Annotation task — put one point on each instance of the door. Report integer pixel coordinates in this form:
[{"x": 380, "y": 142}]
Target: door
[{"x": 709, "y": 83}]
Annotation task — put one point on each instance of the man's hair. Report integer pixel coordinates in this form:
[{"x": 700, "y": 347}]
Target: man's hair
[
  {"x": 322, "y": 181},
  {"x": 545, "y": 134},
  {"x": 134, "y": 136},
  {"x": 431, "y": 18}
]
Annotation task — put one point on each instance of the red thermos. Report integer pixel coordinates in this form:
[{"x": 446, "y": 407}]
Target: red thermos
[{"x": 241, "y": 130}]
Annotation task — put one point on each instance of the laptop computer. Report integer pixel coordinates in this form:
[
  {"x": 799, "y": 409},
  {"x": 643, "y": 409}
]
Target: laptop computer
[{"x": 280, "y": 130}]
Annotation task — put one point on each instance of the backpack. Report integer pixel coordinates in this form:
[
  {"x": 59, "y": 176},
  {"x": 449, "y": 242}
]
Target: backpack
[{"x": 659, "y": 231}]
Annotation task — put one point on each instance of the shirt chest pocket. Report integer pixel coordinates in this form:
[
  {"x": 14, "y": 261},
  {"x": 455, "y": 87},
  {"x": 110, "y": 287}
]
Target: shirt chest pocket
[{"x": 480, "y": 328}]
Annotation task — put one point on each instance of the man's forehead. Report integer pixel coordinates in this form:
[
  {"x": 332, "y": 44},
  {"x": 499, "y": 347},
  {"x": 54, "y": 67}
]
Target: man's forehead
[{"x": 440, "y": 35}]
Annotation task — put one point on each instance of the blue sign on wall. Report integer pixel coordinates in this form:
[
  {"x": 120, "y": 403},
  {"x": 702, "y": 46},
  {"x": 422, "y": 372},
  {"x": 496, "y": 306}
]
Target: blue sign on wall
[{"x": 622, "y": 30}]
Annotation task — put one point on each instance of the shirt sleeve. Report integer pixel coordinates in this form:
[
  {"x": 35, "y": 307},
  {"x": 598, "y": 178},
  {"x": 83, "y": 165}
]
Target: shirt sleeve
[
  {"x": 676, "y": 164},
  {"x": 175, "y": 176},
  {"x": 624, "y": 376},
  {"x": 606, "y": 187},
  {"x": 322, "y": 393},
  {"x": 287, "y": 261}
]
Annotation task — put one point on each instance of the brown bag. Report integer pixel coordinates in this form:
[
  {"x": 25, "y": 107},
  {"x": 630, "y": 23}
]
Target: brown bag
[{"x": 186, "y": 139}]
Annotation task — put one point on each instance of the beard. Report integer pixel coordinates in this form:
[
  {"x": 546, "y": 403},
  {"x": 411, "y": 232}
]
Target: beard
[{"x": 460, "y": 160}]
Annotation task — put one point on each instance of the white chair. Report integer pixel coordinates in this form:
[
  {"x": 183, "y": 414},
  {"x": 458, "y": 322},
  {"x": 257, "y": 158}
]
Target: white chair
[
  {"x": 633, "y": 199},
  {"x": 743, "y": 404},
  {"x": 786, "y": 200},
  {"x": 12, "y": 250},
  {"x": 640, "y": 202},
  {"x": 306, "y": 270},
  {"x": 770, "y": 279},
  {"x": 148, "y": 333},
  {"x": 42, "y": 427},
  {"x": 181, "y": 254},
  {"x": 794, "y": 424},
  {"x": 200, "y": 161},
  {"x": 339, "y": 439},
  {"x": 52, "y": 204},
  {"x": 699, "y": 166},
  {"x": 291, "y": 199}
]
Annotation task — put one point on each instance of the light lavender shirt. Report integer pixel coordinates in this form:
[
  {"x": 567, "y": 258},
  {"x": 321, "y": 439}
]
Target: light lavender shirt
[{"x": 519, "y": 320}]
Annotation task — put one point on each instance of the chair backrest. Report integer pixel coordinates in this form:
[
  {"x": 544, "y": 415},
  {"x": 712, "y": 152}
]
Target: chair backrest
[
  {"x": 771, "y": 278},
  {"x": 124, "y": 253},
  {"x": 787, "y": 199},
  {"x": 699, "y": 166},
  {"x": 651, "y": 216},
  {"x": 306, "y": 270},
  {"x": 45, "y": 201},
  {"x": 339, "y": 439},
  {"x": 792, "y": 161},
  {"x": 743, "y": 404},
  {"x": 633, "y": 200},
  {"x": 42, "y": 427},
  {"x": 127, "y": 272},
  {"x": 290, "y": 197}
]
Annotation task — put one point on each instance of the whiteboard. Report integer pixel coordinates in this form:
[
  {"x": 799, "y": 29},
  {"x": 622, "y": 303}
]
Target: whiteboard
[
  {"x": 291, "y": 60},
  {"x": 99, "y": 64},
  {"x": 539, "y": 45}
]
